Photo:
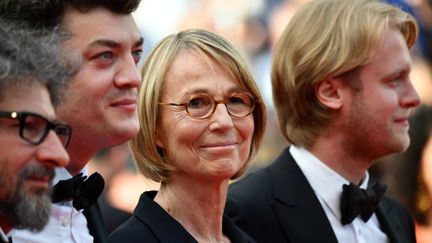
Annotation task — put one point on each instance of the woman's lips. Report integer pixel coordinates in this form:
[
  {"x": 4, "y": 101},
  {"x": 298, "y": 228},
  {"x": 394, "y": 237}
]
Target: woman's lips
[{"x": 219, "y": 146}]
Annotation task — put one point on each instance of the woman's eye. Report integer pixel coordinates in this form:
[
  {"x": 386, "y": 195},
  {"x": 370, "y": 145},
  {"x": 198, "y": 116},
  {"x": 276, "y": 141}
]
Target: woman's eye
[
  {"x": 241, "y": 99},
  {"x": 199, "y": 102},
  {"x": 236, "y": 101},
  {"x": 196, "y": 102}
]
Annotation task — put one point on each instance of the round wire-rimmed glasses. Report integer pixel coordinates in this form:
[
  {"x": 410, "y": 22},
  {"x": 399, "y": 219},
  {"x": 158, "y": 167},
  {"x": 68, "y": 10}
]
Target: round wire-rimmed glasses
[
  {"x": 34, "y": 128},
  {"x": 202, "y": 105}
]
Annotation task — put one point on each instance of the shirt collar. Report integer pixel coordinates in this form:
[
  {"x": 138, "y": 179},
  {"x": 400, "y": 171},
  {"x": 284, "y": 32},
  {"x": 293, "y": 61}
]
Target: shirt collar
[
  {"x": 326, "y": 183},
  {"x": 62, "y": 174}
]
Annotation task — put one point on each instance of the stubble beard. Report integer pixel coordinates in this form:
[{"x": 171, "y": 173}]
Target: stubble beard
[{"x": 24, "y": 209}]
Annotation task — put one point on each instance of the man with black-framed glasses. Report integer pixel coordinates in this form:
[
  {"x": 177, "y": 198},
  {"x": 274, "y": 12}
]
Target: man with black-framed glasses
[
  {"x": 32, "y": 141},
  {"x": 99, "y": 103}
]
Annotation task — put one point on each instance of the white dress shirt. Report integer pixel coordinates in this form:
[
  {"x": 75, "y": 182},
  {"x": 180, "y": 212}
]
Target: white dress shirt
[
  {"x": 66, "y": 224},
  {"x": 327, "y": 185}
]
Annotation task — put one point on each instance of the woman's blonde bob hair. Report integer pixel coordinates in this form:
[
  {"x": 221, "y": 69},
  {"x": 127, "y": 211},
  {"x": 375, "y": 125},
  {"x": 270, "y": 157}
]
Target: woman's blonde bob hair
[
  {"x": 324, "y": 39},
  {"x": 150, "y": 159}
]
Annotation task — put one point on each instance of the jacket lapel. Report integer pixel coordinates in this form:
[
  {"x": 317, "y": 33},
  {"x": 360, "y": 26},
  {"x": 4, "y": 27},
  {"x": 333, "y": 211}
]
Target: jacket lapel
[
  {"x": 95, "y": 224},
  {"x": 296, "y": 205},
  {"x": 165, "y": 227},
  {"x": 389, "y": 221}
]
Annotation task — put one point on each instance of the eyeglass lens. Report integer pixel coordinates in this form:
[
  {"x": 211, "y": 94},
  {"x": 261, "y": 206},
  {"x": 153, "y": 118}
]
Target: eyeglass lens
[
  {"x": 202, "y": 105},
  {"x": 35, "y": 129}
]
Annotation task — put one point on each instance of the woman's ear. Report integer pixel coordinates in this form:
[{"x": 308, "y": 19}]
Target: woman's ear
[
  {"x": 329, "y": 93},
  {"x": 159, "y": 142}
]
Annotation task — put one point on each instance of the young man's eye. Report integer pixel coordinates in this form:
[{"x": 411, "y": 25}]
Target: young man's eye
[
  {"x": 137, "y": 55},
  {"x": 103, "y": 59},
  {"x": 106, "y": 56},
  {"x": 395, "y": 82}
]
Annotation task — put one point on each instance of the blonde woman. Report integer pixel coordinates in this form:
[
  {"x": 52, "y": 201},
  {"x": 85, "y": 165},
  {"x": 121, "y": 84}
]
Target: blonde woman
[{"x": 202, "y": 119}]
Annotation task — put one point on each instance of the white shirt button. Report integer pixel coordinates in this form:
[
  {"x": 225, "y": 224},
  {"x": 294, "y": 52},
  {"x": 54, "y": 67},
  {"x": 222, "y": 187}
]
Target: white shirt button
[{"x": 65, "y": 222}]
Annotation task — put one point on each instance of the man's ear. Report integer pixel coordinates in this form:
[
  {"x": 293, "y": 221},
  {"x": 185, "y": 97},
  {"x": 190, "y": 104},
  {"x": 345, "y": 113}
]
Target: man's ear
[{"x": 329, "y": 93}]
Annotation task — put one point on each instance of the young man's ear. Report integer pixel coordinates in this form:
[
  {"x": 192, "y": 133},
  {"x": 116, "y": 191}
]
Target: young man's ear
[{"x": 329, "y": 92}]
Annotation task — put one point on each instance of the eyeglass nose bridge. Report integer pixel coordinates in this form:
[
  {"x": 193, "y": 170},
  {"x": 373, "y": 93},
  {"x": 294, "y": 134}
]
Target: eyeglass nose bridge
[{"x": 218, "y": 102}]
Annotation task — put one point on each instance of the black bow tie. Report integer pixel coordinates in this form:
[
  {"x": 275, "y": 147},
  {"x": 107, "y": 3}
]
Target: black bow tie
[
  {"x": 356, "y": 201},
  {"x": 82, "y": 192}
]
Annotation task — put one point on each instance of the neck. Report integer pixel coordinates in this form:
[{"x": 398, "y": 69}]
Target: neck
[
  {"x": 197, "y": 205},
  {"x": 345, "y": 160},
  {"x": 79, "y": 156}
]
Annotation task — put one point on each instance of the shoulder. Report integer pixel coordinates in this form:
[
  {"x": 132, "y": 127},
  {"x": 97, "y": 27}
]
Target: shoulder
[
  {"x": 137, "y": 228},
  {"x": 256, "y": 180},
  {"x": 131, "y": 231},
  {"x": 393, "y": 206},
  {"x": 235, "y": 233},
  {"x": 393, "y": 215},
  {"x": 250, "y": 198},
  {"x": 262, "y": 182},
  {"x": 150, "y": 223},
  {"x": 250, "y": 193}
]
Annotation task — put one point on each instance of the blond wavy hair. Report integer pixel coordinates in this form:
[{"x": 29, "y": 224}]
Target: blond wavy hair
[
  {"x": 327, "y": 38},
  {"x": 150, "y": 159}
]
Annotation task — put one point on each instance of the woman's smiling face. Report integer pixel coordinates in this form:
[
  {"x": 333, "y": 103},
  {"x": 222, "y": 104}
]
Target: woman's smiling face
[{"x": 213, "y": 148}]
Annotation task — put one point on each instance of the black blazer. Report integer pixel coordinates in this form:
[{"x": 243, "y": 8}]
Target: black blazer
[
  {"x": 95, "y": 223},
  {"x": 277, "y": 204},
  {"x": 150, "y": 223}
]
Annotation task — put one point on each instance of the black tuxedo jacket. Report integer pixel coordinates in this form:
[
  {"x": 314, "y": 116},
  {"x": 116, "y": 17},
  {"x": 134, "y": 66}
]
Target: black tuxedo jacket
[
  {"x": 95, "y": 223},
  {"x": 277, "y": 204},
  {"x": 150, "y": 223}
]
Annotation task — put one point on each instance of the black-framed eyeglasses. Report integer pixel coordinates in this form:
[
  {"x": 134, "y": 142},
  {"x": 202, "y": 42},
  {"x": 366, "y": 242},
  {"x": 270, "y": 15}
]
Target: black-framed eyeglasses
[
  {"x": 202, "y": 105},
  {"x": 34, "y": 128}
]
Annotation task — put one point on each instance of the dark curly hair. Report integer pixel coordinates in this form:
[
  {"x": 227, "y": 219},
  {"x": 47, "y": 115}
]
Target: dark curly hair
[
  {"x": 49, "y": 13},
  {"x": 33, "y": 56}
]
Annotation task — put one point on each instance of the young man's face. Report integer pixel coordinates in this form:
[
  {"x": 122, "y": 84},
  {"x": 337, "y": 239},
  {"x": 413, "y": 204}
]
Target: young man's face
[
  {"x": 100, "y": 102},
  {"x": 26, "y": 170},
  {"x": 378, "y": 115}
]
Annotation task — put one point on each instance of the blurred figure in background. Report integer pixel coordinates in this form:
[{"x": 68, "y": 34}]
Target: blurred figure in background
[{"x": 409, "y": 175}]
